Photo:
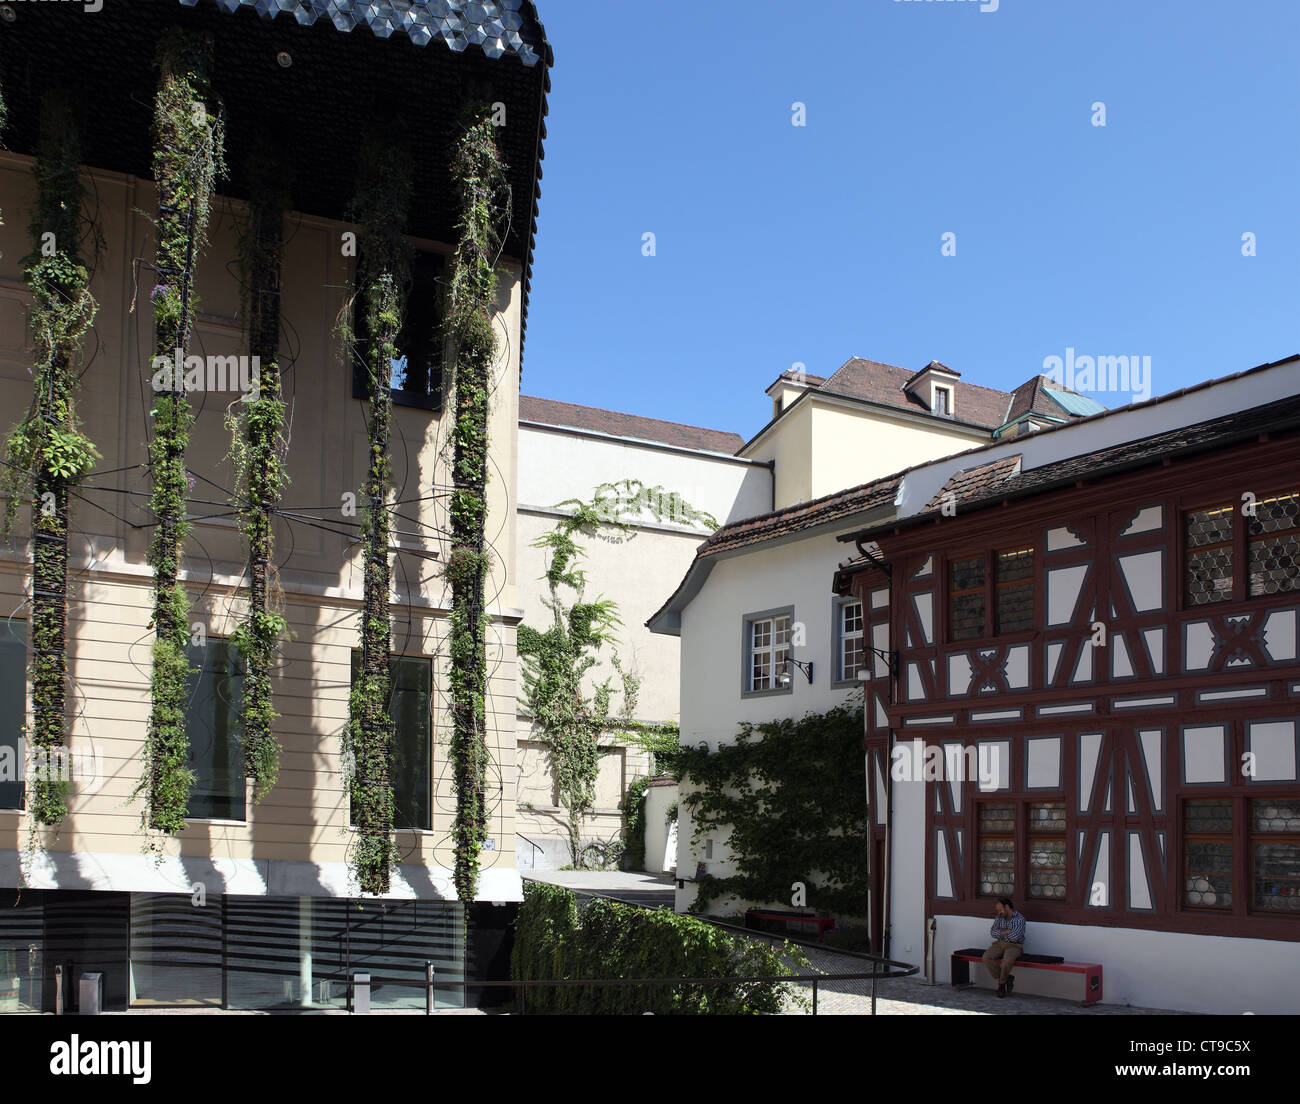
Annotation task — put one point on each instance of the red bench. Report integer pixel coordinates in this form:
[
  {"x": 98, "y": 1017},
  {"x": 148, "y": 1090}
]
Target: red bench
[
  {"x": 754, "y": 919},
  {"x": 1091, "y": 971}
]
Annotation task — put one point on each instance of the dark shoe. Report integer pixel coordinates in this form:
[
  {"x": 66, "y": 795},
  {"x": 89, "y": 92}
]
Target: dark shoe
[
  {"x": 1002, "y": 990},
  {"x": 1011, "y": 984}
]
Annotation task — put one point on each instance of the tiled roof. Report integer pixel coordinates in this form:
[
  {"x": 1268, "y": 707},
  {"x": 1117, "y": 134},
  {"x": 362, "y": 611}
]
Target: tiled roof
[
  {"x": 977, "y": 482},
  {"x": 571, "y": 415},
  {"x": 884, "y": 383},
  {"x": 804, "y": 515},
  {"x": 994, "y": 482},
  {"x": 1034, "y": 396}
]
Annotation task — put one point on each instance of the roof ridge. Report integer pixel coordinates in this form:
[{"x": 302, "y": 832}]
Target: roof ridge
[{"x": 629, "y": 414}]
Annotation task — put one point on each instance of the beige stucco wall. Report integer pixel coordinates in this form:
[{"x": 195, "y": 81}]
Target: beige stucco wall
[{"x": 305, "y": 818}]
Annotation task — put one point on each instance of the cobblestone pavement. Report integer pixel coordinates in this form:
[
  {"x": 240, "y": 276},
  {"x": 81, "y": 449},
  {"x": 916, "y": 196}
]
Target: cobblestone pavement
[{"x": 911, "y": 996}]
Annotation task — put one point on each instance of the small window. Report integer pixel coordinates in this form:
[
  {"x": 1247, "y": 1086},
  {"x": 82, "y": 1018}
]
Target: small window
[
  {"x": 966, "y": 598},
  {"x": 769, "y": 649},
  {"x": 1015, "y": 581},
  {"x": 850, "y": 655},
  {"x": 943, "y": 402},
  {"x": 214, "y": 705},
  {"x": 997, "y": 849},
  {"x": 1275, "y": 855},
  {"x": 1047, "y": 850},
  {"x": 417, "y": 373},
  {"x": 13, "y": 710},
  {"x": 1207, "y": 847},
  {"x": 410, "y": 706},
  {"x": 1208, "y": 543},
  {"x": 1274, "y": 535}
]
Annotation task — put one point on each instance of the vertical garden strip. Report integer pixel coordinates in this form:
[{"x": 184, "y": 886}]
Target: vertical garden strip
[
  {"x": 187, "y": 162},
  {"x": 47, "y": 453},
  {"x": 478, "y": 174},
  {"x": 257, "y": 447},
  {"x": 383, "y": 197}
]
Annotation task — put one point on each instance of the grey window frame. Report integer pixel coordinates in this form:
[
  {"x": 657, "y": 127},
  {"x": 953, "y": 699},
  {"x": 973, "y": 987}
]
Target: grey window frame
[
  {"x": 837, "y": 639},
  {"x": 746, "y": 651}
]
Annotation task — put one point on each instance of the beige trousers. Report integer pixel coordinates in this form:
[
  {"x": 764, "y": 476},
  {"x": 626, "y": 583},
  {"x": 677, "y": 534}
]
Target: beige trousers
[{"x": 1008, "y": 953}]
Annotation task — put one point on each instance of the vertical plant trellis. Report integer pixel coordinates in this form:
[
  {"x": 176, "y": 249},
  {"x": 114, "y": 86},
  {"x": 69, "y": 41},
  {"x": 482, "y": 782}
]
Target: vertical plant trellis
[
  {"x": 383, "y": 197},
  {"x": 188, "y": 159},
  {"x": 478, "y": 174},
  {"x": 256, "y": 423},
  {"x": 47, "y": 453}
]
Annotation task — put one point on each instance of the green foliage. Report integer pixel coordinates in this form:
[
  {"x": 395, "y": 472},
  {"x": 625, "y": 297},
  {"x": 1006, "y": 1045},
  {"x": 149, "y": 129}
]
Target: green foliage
[
  {"x": 556, "y": 662},
  {"x": 383, "y": 197},
  {"x": 188, "y": 160},
  {"x": 556, "y": 939},
  {"x": 634, "y": 823},
  {"x": 478, "y": 177},
  {"x": 46, "y": 453},
  {"x": 257, "y": 448},
  {"x": 791, "y": 793}
]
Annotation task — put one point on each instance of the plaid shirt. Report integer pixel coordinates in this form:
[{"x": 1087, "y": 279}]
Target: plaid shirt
[{"x": 1009, "y": 930}]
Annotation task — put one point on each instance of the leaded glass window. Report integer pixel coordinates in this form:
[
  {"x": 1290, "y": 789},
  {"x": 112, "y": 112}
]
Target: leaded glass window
[
  {"x": 1015, "y": 577},
  {"x": 966, "y": 598},
  {"x": 1207, "y": 847},
  {"x": 997, "y": 849},
  {"x": 1208, "y": 569},
  {"x": 1275, "y": 847},
  {"x": 1274, "y": 533},
  {"x": 1047, "y": 850}
]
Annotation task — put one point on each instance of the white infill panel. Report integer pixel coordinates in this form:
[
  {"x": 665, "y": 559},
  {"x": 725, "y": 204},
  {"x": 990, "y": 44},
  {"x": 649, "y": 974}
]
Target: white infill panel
[
  {"x": 1147, "y": 520},
  {"x": 1044, "y": 759},
  {"x": 1139, "y": 888},
  {"x": 1089, "y": 752},
  {"x": 1198, "y": 646},
  {"x": 1017, "y": 669},
  {"x": 1155, "y": 641},
  {"x": 959, "y": 670},
  {"x": 1144, "y": 573},
  {"x": 1063, "y": 587},
  {"x": 1203, "y": 755},
  {"x": 1279, "y": 635},
  {"x": 1053, "y": 658},
  {"x": 1272, "y": 744},
  {"x": 1121, "y": 664},
  {"x": 1061, "y": 538},
  {"x": 1099, "y": 888},
  {"x": 1152, "y": 740},
  {"x": 942, "y": 873},
  {"x": 925, "y": 615}
]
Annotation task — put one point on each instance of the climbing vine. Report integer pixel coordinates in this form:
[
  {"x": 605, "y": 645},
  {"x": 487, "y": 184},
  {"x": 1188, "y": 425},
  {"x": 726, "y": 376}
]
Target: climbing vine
[
  {"x": 188, "y": 160},
  {"x": 478, "y": 175},
  {"x": 47, "y": 454},
  {"x": 256, "y": 424},
  {"x": 790, "y": 793},
  {"x": 556, "y": 662},
  {"x": 383, "y": 197}
]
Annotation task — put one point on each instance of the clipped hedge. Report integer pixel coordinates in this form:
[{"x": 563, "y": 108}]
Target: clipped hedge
[{"x": 556, "y": 938}]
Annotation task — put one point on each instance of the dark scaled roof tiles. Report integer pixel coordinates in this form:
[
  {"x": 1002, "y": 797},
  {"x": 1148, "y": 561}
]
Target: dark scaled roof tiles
[{"x": 497, "y": 27}]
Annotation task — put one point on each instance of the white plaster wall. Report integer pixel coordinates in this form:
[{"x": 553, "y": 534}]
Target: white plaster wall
[
  {"x": 796, "y": 574},
  {"x": 907, "y": 874},
  {"x": 556, "y": 464},
  {"x": 1149, "y": 969}
]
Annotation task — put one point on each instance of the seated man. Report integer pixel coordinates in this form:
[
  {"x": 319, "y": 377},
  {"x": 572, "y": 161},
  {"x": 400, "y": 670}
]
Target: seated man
[{"x": 1008, "y": 933}]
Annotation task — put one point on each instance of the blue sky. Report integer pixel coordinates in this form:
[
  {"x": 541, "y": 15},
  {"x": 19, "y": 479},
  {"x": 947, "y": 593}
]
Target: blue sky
[{"x": 777, "y": 244}]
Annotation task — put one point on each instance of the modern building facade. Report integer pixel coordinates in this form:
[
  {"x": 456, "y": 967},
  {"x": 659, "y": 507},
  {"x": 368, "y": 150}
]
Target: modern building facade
[{"x": 253, "y": 906}]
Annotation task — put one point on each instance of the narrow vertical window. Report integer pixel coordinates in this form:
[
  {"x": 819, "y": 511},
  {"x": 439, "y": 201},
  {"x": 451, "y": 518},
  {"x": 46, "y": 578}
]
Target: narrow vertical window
[
  {"x": 997, "y": 849},
  {"x": 1274, "y": 535},
  {"x": 966, "y": 598},
  {"x": 1208, "y": 562},
  {"x": 1015, "y": 590},
  {"x": 851, "y": 654},
  {"x": 214, "y": 703},
  {"x": 1047, "y": 850},
  {"x": 13, "y": 700},
  {"x": 1207, "y": 847},
  {"x": 410, "y": 707}
]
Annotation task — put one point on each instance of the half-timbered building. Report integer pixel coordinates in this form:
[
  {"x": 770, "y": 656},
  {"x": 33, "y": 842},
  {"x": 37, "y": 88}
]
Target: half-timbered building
[{"x": 1095, "y": 629}]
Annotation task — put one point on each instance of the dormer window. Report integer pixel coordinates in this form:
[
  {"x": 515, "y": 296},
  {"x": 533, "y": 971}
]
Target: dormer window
[{"x": 943, "y": 401}]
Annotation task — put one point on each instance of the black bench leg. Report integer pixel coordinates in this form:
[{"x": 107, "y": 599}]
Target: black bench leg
[{"x": 960, "y": 970}]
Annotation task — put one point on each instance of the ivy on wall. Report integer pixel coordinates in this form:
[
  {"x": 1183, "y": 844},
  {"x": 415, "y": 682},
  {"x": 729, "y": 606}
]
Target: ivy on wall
[
  {"x": 188, "y": 160},
  {"x": 791, "y": 793},
  {"x": 478, "y": 176},
  {"x": 256, "y": 426},
  {"x": 47, "y": 454},
  {"x": 383, "y": 198},
  {"x": 556, "y": 661},
  {"x": 556, "y": 938}
]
